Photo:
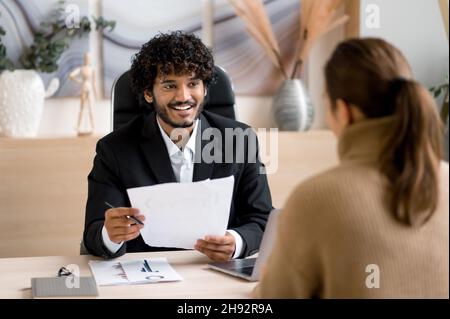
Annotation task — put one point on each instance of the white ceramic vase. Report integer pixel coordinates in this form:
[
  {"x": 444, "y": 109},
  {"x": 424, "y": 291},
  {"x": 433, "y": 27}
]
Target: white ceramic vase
[
  {"x": 22, "y": 95},
  {"x": 292, "y": 107}
]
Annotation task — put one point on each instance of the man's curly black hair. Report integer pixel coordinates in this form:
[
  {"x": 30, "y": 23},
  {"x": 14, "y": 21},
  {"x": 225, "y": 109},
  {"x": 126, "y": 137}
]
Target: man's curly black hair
[{"x": 175, "y": 51}]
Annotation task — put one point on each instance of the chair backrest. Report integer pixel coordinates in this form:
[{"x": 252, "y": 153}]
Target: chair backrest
[
  {"x": 125, "y": 105},
  {"x": 83, "y": 249}
]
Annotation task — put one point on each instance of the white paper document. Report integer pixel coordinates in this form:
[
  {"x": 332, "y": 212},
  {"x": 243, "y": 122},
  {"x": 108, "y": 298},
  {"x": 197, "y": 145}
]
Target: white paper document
[
  {"x": 177, "y": 214},
  {"x": 137, "y": 271}
]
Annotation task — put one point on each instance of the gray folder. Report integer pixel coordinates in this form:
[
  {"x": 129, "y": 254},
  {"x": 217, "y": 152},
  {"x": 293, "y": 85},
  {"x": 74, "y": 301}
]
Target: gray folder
[{"x": 59, "y": 287}]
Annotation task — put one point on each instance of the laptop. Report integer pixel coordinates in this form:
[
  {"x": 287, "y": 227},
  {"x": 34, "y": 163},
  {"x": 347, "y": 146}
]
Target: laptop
[{"x": 250, "y": 268}]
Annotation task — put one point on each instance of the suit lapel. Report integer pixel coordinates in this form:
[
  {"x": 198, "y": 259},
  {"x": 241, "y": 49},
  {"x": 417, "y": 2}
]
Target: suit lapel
[
  {"x": 155, "y": 151},
  {"x": 202, "y": 170}
]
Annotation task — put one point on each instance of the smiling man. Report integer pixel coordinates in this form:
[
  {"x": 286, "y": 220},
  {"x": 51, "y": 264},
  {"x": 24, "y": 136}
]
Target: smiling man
[
  {"x": 178, "y": 100},
  {"x": 172, "y": 73}
]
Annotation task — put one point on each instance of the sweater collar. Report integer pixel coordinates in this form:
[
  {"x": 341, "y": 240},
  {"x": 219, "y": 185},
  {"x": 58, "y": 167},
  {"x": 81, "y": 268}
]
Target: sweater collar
[{"x": 365, "y": 139}]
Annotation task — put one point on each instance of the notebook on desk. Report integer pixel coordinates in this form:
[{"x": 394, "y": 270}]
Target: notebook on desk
[
  {"x": 250, "y": 268},
  {"x": 59, "y": 287}
]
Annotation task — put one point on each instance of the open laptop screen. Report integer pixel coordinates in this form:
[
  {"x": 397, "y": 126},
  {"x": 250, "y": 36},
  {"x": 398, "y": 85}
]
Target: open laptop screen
[{"x": 250, "y": 268}]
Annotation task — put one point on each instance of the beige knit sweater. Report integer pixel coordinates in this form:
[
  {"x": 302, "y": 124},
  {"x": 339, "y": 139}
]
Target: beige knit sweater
[{"x": 338, "y": 223}]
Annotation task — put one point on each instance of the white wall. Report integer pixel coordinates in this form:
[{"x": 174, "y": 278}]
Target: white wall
[{"x": 416, "y": 28}]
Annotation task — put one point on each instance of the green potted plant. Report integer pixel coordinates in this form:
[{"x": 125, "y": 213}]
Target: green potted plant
[
  {"x": 22, "y": 90},
  {"x": 5, "y": 63},
  {"x": 443, "y": 88},
  {"x": 441, "y": 92}
]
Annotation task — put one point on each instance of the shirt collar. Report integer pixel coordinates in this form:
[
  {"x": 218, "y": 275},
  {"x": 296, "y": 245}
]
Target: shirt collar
[
  {"x": 193, "y": 138},
  {"x": 172, "y": 148}
]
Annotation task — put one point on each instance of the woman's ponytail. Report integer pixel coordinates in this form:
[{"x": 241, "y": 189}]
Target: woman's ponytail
[{"x": 412, "y": 154}]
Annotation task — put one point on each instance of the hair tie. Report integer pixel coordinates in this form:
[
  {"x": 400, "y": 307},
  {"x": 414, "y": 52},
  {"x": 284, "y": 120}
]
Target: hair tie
[{"x": 396, "y": 85}]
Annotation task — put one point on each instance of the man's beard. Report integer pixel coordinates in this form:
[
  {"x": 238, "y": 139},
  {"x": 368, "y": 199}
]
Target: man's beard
[{"x": 162, "y": 113}]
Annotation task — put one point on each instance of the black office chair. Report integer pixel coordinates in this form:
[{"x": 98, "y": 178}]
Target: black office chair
[{"x": 125, "y": 105}]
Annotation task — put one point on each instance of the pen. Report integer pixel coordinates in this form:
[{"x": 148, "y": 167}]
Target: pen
[
  {"x": 129, "y": 217},
  {"x": 147, "y": 266}
]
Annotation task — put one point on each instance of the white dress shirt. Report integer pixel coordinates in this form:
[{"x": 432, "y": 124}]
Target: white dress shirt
[{"x": 183, "y": 168}]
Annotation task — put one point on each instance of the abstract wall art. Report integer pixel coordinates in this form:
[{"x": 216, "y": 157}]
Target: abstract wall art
[{"x": 22, "y": 18}]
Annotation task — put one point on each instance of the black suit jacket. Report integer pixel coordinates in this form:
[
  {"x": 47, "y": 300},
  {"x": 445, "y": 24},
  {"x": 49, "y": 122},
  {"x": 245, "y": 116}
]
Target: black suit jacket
[{"x": 135, "y": 155}]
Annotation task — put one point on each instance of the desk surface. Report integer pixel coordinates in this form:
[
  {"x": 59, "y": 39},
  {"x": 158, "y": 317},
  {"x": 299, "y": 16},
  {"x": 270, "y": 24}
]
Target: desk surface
[{"x": 198, "y": 282}]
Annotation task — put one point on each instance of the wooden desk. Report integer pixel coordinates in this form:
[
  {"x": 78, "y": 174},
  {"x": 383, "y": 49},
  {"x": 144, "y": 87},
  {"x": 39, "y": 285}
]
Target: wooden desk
[
  {"x": 198, "y": 281},
  {"x": 43, "y": 192},
  {"x": 43, "y": 186}
]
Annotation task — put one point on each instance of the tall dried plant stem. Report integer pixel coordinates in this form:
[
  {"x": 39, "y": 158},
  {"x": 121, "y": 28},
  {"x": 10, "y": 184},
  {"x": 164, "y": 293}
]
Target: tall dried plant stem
[
  {"x": 443, "y": 4},
  {"x": 317, "y": 19},
  {"x": 258, "y": 25}
]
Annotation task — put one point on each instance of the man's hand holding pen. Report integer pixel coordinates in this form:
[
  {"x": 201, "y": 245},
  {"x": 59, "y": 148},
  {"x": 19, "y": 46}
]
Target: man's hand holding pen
[{"x": 122, "y": 223}]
